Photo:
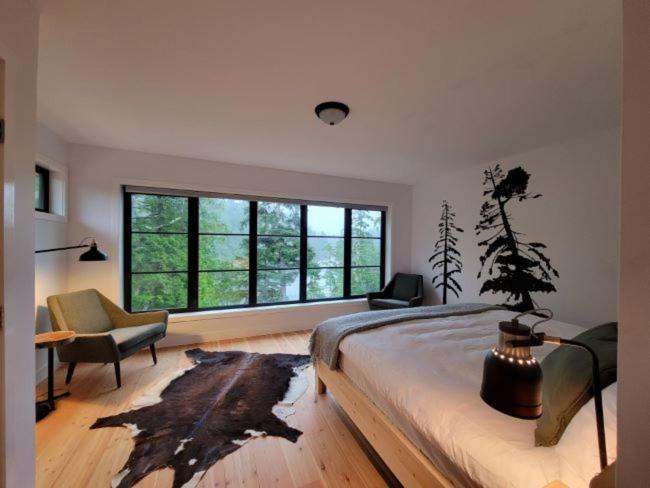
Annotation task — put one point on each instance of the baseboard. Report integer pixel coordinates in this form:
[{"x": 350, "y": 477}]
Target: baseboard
[{"x": 186, "y": 330}]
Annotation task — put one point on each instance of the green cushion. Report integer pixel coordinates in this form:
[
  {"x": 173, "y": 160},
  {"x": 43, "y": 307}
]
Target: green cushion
[
  {"x": 406, "y": 286},
  {"x": 128, "y": 337},
  {"x": 568, "y": 380},
  {"x": 84, "y": 313}
]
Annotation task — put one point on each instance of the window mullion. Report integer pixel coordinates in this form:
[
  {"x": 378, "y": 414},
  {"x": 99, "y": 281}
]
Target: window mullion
[
  {"x": 252, "y": 254},
  {"x": 193, "y": 253},
  {"x": 347, "y": 253},
  {"x": 382, "y": 252},
  {"x": 127, "y": 252},
  {"x": 303, "y": 253}
]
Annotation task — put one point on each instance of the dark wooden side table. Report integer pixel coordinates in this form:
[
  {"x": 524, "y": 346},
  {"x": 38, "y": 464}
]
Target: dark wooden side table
[{"x": 49, "y": 340}]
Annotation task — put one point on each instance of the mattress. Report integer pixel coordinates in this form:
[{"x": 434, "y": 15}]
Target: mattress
[{"x": 426, "y": 375}]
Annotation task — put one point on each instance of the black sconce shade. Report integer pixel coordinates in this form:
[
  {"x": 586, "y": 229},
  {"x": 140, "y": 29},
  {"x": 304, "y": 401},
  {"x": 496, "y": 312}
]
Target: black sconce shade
[{"x": 93, "y": 254}]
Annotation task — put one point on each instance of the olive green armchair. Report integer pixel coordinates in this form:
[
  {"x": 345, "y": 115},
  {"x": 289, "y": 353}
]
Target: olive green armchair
[{"x": 104, "y": 332}]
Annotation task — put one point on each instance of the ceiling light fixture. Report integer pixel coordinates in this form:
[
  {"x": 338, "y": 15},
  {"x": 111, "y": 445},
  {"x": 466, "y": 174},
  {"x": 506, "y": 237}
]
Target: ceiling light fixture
[{"x": 332, "y": 112}]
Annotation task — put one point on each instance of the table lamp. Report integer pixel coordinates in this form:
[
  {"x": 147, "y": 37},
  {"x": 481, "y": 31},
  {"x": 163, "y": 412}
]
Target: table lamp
[{"x": 512, "y": 377}]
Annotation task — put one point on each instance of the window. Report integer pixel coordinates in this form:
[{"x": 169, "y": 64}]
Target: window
[
  {"x": 159, "y": 252},
  {"x": 203, "y": 252},
  {"x": 223, "y": 252},
  {"x": 42, "y": 189},
  {"x": 278, "y": 252},
  {"x": 366, "y": 259},
  {"x": 325, "y": 252}
]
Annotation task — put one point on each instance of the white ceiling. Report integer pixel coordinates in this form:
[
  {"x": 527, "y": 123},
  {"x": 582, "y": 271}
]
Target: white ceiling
[{"x": 429, "y": 83}]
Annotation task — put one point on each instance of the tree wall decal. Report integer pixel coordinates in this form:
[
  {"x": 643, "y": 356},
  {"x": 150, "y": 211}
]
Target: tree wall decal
[
  {"x": 446, "y": 258},
  {"x": 521, "y": 267}
]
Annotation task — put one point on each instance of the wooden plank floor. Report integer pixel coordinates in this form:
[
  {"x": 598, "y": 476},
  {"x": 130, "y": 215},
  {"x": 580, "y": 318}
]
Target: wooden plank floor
[{"x": 69, "y": 454}]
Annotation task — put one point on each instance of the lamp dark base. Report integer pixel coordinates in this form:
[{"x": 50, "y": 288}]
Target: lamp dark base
[
  {"x": 42, "y": 411},
  {"x": 44, "y": 407}
]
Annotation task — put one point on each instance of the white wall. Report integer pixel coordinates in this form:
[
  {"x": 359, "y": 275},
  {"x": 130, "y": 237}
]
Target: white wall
[
  {"x": 96, "y": 175},
  {"x": 50, "y": 231},
  {"x": 577, "y": 218},
  {"x": 18, "y": 49},
  {"x": 634, "y": 332}
]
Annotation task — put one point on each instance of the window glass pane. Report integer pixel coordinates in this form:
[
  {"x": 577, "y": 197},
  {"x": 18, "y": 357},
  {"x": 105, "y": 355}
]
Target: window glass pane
[
  {"x": 366, "y": 223},
  {"x": 39, "y": 193},
  {"x": 278, "y": 286},
  {"x": 223, "y": 289},
  {"x": 155, "y": 291},
  {"x": 154, "y": 213},
  {"x": 278, "y": 218},
  {"x": 223, "y": 216},
  {"x": 325, "y": 221},
  {"x": 364, "y": 280},
  {"x": 278, "y": 252},
  {"x": 366, "y": 252},
  {"x": 324, "y": 283},
  {"x": 223, "y": 252},
  {"x": 158, "y": 252},
  {"x": 324, "y": 251}
]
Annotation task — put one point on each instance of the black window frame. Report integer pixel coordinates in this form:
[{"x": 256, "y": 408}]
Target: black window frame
[
  {"x": 194, "y": 233},
  {"x": 44, "y": 173}
]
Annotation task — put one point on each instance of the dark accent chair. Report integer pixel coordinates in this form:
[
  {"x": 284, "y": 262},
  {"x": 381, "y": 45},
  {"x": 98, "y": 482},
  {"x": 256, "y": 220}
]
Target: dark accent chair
[
  {"x": 403, "y": 291},
  {"x": 104, "y": 332}
]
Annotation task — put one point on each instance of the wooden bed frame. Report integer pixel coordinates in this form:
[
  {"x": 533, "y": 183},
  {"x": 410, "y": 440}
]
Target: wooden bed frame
[{"x": 403, "y": 458}]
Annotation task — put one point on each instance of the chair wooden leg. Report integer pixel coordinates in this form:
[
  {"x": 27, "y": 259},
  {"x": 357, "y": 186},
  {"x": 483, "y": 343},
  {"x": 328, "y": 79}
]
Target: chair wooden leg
[
  {"x": 118, "y": 377},
  {"x": 68, "y": 376},
  {"x": 152, "y": 348}
]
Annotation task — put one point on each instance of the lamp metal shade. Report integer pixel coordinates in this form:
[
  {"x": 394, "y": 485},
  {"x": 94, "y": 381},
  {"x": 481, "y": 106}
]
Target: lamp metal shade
[
  {"x": 93, "y": 254},
  {"x": 512, "y": 377}
]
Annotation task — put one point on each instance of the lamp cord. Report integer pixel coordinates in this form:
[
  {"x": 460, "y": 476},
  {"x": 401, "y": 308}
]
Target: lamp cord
[{"x": 545, "y": 313}]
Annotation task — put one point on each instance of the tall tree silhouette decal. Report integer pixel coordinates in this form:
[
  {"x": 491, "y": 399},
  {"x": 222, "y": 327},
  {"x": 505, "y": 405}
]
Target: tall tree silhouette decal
[
  {"x": 446, "y": 258},
  {"x": 520, "y": 267}
]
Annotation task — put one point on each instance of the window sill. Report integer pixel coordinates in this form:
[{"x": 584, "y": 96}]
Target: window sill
[
  {"x": 38, "y": 215},
  {"x": 270, "y": 309}
]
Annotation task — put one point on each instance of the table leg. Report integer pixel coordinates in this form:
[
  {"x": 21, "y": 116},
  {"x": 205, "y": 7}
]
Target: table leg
[{"x": 50, "y": 377}]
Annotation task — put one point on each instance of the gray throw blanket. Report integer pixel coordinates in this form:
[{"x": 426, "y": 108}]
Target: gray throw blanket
[{"x": 324, "y": 341}]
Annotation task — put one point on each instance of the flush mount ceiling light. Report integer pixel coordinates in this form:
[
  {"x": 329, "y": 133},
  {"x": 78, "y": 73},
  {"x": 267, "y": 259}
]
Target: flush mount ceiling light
[{"x": 332, "y": 112}]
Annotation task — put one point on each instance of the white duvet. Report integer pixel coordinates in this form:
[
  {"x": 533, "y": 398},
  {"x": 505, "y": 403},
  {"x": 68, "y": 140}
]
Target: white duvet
[{"x": 426, "y": 376}]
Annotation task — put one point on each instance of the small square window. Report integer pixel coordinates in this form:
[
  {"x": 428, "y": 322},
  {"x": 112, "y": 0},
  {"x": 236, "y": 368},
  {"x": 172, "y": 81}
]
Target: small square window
[{"x": 42, "y": 189}]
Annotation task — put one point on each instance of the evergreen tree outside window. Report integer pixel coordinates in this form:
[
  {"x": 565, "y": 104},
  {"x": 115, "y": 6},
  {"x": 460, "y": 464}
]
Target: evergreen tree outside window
[
  {"x": 204, "y": 252},
  {"x": 325, "y": 248},
  {"x": 42, "y": 189},
  {"x": 159, "y": 252},
  {"x": 366, "y": 251},
  {"x": 223, "y": 252},
  {"x": 278, "y": 252}
]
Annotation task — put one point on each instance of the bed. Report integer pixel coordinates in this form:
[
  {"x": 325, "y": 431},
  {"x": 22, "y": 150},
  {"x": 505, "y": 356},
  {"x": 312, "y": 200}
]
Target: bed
[{"x": 412, "y": 389}]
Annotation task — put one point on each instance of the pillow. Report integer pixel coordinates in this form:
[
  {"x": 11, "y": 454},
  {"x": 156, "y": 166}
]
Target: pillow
[{"x": 568, "y": 380}]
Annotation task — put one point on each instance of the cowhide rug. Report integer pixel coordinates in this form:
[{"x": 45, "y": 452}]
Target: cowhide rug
[{"x": 208, "y": 411}]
